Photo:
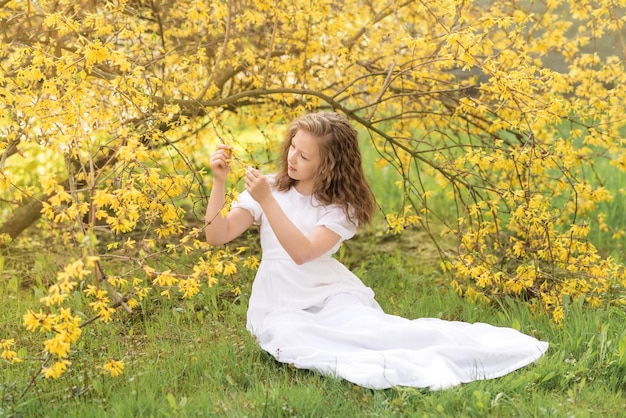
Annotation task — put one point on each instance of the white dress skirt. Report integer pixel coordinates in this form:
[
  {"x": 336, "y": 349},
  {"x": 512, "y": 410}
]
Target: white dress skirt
[{"x": 320, "y": 316}]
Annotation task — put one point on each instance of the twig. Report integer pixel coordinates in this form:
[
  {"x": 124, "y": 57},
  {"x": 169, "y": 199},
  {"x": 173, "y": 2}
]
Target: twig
[
  {"x": 382, "y": 90},
  {"x": 119, "y": 300},
  {"x": 269, "y": 51}
]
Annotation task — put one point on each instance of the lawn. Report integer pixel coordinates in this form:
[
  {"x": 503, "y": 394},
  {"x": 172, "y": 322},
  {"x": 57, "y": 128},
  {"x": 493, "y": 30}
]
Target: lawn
[{"x": 196, "y": 358}]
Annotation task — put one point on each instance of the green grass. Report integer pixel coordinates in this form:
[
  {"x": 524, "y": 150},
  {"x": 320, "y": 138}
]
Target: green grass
[{"x": 189, "y": 359}]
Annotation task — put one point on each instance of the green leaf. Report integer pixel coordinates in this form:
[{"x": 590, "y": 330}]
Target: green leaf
[{"x": 548, "y": 376}]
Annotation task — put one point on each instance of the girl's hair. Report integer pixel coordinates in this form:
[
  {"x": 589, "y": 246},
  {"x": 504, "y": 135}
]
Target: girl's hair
[{"x": 340, "y": 179}]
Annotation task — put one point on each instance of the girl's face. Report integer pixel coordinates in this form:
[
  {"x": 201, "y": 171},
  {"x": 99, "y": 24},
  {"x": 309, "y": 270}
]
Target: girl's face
[{"x": 303, "y": 159}]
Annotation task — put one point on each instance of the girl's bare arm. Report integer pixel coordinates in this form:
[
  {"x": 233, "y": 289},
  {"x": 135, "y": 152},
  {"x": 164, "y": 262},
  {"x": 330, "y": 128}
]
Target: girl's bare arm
[
  {"x": 219, "y": 229},
  {"x": 222, "y": 229}
]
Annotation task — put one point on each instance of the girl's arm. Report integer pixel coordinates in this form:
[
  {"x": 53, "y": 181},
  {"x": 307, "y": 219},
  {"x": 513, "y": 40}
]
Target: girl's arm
[
  {"x": 219, "y": 229},
  {"x": 301, "y": 248}
]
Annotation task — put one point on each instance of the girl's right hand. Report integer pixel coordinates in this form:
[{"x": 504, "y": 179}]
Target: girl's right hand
[{"x": 220, "y": 162}]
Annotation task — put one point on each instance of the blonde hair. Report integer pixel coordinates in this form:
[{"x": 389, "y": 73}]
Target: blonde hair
[{"x": 339, "y": 179}]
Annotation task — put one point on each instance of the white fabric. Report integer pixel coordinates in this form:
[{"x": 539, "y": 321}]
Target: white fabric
[{"x": 320, "y": 316}]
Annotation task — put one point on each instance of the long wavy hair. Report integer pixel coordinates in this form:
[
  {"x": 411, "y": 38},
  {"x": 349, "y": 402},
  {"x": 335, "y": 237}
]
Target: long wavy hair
[{"x": 339, "y": 179}]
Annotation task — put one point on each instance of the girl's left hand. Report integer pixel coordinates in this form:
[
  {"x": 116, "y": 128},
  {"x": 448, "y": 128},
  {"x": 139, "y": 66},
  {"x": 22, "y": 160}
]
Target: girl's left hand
[{"x": 257, "y": 185}]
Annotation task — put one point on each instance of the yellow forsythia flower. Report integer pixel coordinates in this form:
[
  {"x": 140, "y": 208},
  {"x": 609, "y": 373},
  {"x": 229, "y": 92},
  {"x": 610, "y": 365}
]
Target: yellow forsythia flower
[
  {"x": 189, "y": 287},
  {"x": 6, "y": 344},
  {"x": 113, "y": 368},
  {"x": 251, "y": 262},
  {"x": 558, "y": 314},
  {"x": 7, "y": 353},
  {"x": 56, "y": 370},
  {"x": 34, "y": 321},
  {"x": 230, "y": 268},
  {"x": 59, "y": 345}
]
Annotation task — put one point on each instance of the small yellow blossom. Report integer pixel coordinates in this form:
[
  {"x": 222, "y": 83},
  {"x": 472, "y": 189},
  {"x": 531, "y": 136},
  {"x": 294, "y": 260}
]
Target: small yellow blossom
[
  {"x": 558, "y": 314},
  {"x": 113, "y": 368},
  {"x": 90, "y": 290},
  {"x": 56, "y": 370},
  {"x": 11, "y": 356},
  {"x": 251, "y": 262},
  {"x": 230, "y": 268},
  {"x": 8, "y": 353},
  {"x": 189, "y": 287},
  {"x": 58, "y": 345},
  {"x": 38, "y": 321},
  {"x": 6, "y": 344},
  {"x": 165, "y": 279}
]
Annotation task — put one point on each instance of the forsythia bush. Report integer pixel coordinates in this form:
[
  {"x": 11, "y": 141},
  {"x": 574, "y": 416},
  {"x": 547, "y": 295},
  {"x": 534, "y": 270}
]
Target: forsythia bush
[{"x": 146, "y": 201}]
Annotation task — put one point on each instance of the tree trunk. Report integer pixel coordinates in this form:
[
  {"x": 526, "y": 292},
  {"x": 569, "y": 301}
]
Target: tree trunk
[{"x": 23, "y": 217}]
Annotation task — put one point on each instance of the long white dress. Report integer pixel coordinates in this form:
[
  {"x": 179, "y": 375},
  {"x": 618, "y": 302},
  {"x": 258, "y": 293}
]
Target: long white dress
[{"x": 320, "y": 316}]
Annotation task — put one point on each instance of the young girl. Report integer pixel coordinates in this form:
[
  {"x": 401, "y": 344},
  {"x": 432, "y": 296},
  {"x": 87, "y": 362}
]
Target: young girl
[{"x": 307, "y": 309}]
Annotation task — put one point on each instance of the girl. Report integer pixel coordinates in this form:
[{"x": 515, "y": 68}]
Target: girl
[{"x": 306, "y": 308}]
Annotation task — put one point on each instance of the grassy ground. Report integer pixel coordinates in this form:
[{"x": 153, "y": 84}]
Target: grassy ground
[{"x": 189, "y": 359}]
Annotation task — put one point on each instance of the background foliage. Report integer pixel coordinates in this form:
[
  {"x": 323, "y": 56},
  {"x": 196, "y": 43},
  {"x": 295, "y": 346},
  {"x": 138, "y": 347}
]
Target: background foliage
[{"x": 501, "y": 119}]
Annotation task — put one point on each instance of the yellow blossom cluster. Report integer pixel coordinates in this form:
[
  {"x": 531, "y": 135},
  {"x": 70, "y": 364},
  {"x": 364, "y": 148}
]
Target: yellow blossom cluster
[
  {"x": 101, "y": 304},
  {"x": 206, "y": 271},
  {"x": 113, "y": 368},
  {"x": 397, "y": 223},
  {"x": 8, "y": 353},
  {"x": 57, "y": 368},
  {"x": 65, "y": 283},
  {"x": 62, "y": 329},
  {"x": 539, "y": 258}
]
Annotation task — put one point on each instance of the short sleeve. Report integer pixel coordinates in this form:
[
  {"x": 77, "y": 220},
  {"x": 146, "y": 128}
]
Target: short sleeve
[
  {"x": 336, "y": 220},
  {"x": 245, "y": 201}
]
